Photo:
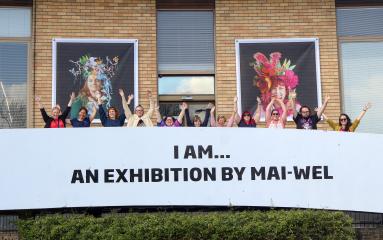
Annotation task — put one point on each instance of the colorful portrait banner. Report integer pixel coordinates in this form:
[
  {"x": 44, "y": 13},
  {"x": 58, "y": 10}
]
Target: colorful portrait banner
[
  {"x": 92, "y": 69},
  {"x": 278, "y": 68}
]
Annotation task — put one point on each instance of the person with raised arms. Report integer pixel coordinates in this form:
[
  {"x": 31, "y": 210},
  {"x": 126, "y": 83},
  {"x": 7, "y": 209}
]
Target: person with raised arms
[
  {"x": 196, "y": 119},
  {"x": 344, "y": 123},
  {"x": 221, "y": 120},
  {"x": 139, "y": 118},
  {"x": 246, "y": 120},
  {"x": 113, "y": 118},
  {"x": 273, "y": 118},
  {"x": 169, "y": 121},
  {"x": 304, "y": 119},
  {"x": 83, "y": 120},
  {"x": 57, "y": 119}
]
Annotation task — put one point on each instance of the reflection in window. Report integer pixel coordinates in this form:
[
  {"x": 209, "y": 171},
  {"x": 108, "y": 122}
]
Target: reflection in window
[
  {"x": 173, "y": 109},
  {"x": 186, "y": 85},
  {"x": 13, "y": 84},
  {"x": 362, "y": 82}
]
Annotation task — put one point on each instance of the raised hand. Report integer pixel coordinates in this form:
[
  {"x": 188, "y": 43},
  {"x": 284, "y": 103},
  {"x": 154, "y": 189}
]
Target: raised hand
[
  {"x": 209, "y": 106},
  {"x": 149, "y": 94},
  {"x": 183, "y": 106},
  {"x": 293, "y": 94},
  {"x": 121, "y": 92},
  {"x": 212, "y": 109},
  {"x": 235, "y": 99},
  {"x": 130, "y": 98},
  {"x": 367, "y": 106},
  {"x": 38, "y": 99},
  {"x": 72, "y": 96},
  {"x": 258, "y": 101}
]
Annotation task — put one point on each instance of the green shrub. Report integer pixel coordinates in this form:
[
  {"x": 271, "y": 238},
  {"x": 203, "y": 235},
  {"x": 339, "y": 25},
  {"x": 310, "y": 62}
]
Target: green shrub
[{"x": 268, "y": 225}]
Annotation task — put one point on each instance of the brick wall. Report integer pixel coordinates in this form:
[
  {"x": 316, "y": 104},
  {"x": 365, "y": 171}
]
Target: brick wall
[
  {"x": 133, "y": 19},
  {"x": 235, "y": 19},
  {"x": 238, "y": 19}
]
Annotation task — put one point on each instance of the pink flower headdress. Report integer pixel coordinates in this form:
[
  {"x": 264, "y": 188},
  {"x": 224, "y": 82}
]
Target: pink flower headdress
[{"x": 270, "y": 73}]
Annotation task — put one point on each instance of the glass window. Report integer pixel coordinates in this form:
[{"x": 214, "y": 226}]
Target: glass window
[
  {"x": 15, "y": 22},
  {"x": 362, "y": 82},
  {"x": 173, "y": 109},
  {"x": 13, "y": 84},
  {"x": 185, "y": 85}
]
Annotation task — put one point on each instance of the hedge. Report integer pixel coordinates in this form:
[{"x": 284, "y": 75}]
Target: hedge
[{"x": 267, "y": 225}]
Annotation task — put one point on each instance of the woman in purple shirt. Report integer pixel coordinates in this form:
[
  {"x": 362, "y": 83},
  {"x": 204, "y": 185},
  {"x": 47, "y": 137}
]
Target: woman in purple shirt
[{"x": 169, "y": 121}]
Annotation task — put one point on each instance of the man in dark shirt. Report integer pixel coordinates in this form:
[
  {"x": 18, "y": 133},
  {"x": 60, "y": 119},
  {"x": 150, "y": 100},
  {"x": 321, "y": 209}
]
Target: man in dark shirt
[{"x": 305, "y": 120}]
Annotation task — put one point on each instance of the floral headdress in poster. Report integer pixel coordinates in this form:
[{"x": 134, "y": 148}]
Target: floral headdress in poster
[
  {"x": 270, "y": 73},
  {"x": 86, "y": 66}
]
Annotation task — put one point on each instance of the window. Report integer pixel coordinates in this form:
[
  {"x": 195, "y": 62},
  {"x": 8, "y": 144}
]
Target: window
[
  {"x": 14, "y": 46},
  {"x": 360, "y": 32},
  {"x": 185, "y": 55}
]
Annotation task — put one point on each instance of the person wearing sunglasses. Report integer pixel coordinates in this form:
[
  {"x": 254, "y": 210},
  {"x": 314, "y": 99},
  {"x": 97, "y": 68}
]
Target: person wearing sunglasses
[
  {"x": 304, "y": 119},
  {"x": 344, "y": 124},
  {"x": 246, "y": 120},
  {"x": 273, "y": 118}
]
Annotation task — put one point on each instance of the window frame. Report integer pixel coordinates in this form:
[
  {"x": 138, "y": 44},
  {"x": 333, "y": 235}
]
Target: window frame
[{"x": 28, "y": 41}]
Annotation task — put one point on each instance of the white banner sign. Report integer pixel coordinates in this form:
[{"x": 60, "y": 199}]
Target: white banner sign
[{"x": 56, "y": 168}]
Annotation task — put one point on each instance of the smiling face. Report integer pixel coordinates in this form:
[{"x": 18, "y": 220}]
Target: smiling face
[
  {"x": 279, "y": 91},
  {"x": 275, "y": 115},
  {"x": 93, "y": 84},
  {"x": 112, "y": 113},
  {"x": 55, "y": 113},
  {"x": 305, "y": 112},
  {"x": 343, "y": 120},
  {"x": 169, "y": 121},
  {"x": 139, "y": 111},
  {"x": 221, "y": 120},
  {"x": 82, "y": 114}
]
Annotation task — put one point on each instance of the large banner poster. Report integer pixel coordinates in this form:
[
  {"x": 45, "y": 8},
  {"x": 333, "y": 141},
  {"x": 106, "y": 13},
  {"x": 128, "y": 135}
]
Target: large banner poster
[
  {"x": 278, "y": 68},
  {"x": 94, "y": 68},
  {"x": 210, "y": 167}
]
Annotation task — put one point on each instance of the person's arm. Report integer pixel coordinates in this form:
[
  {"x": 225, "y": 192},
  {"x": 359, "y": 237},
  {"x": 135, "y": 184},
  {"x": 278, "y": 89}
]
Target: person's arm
[
  {"x": 207, "y": 115},
  {"x": 151, "y": 104},
  {"x": 93, "y": 115},
  {"x": 101, "y": 111},
  {"x": 323, "y": 107},
  {"x": 212, "y": 118},
  {"x": 127, "y": 111},
  {"x": 182, "y": 113},
  {"x": 293, "y": 96},
  {"x": 284, "y": 110},
  {"x": 157, "y": 113},
  {"x": 67, "y": 110},
  {"x": 268, "y": 110},
  {"x": 257, "y": 114},
  {"x": 42, "y": 109},
  {"x": 365, "y": 108},
  {"x": 123, "y": 101},
  {"x": 330, "y": 122},
  {"x": 189, "y": 123}
]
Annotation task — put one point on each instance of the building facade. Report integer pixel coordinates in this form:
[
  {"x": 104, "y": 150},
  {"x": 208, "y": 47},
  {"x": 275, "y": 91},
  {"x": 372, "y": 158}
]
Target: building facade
[{"x": 204, "y": 34}]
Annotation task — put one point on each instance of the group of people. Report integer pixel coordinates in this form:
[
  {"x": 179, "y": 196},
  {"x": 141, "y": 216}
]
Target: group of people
[{"x": 275, "y": 117}]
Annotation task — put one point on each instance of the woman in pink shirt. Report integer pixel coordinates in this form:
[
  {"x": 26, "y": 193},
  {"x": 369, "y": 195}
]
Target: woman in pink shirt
[{"x": 274, "y": 119}]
